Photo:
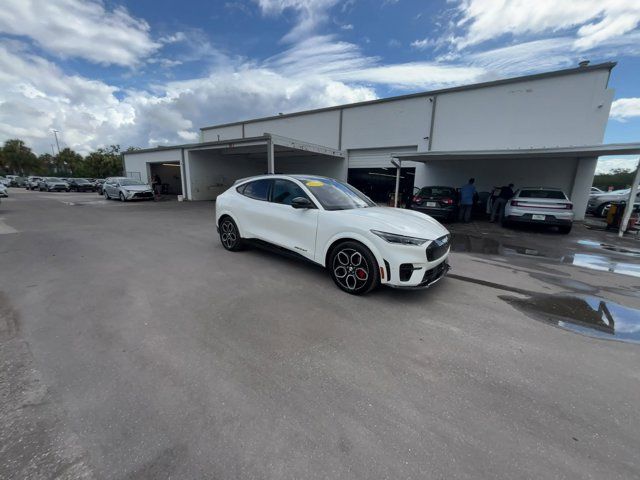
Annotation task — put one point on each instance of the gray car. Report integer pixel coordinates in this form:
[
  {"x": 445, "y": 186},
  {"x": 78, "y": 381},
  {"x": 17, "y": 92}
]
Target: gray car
[
  {"x": 53, "y": 184},
  {"x": 598, "y": 204},
  {"x": 124, "y": 189}
]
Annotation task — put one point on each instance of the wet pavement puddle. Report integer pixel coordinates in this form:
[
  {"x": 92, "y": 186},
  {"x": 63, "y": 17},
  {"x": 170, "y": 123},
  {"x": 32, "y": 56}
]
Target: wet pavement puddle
[
  {"x": 584, "y": 314},
  {"x": 600, "y": 262}
]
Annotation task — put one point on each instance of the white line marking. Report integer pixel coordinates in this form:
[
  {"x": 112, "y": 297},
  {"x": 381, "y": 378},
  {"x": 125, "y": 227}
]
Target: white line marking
[{"x": 4, "y": 228}]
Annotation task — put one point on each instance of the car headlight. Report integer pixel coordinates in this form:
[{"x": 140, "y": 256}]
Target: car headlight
[{"x": 399, "y": 239}]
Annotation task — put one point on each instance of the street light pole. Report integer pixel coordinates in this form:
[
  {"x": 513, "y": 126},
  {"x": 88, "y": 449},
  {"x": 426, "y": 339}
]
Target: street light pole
[{"x": 55, "y": 134}]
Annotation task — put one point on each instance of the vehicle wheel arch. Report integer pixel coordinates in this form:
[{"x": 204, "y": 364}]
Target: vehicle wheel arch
[
  {"x": 350, "y": 237},
  {"x": 225, "y": 214}
]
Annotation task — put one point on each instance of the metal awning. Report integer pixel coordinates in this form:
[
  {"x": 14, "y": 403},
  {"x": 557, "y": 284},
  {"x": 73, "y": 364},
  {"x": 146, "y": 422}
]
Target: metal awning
[{"x": 554, "y": 152}]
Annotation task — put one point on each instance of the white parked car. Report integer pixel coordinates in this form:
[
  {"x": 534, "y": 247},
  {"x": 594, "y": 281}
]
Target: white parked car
[
  {"x": 125, "y": 188},
  {"x": 540, "y": 205},
  {"x": 333, "y": 224}
]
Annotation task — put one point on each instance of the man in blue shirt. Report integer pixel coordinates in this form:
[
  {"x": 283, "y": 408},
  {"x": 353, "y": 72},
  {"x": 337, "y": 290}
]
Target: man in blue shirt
[{"x": 467, "y": 194}]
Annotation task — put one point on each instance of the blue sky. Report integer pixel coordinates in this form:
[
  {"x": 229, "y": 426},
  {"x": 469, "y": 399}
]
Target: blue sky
[{"x": 147, "y": 73}]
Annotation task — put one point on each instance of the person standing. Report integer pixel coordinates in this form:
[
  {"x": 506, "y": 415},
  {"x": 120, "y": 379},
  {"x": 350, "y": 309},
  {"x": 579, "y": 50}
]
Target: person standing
[
  {"x": 467, "y": 194},
  {"x": 156, "y": 184},
  {"x": 497, "y": 209}
]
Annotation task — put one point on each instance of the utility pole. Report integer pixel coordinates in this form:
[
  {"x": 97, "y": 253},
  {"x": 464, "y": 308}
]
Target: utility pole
[{"x": 55, "y": 134}]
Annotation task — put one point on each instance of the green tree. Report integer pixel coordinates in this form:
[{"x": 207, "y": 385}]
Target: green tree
[
  {"x": 69, "y": 163},
  {"x": 18, "y": 159},
  {"x": 104, "y": 162},
  {"x": 617, "y": 178}
]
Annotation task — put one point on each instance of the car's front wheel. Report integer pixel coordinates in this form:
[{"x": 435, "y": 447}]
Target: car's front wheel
[
  {"x": 229, "y": 235},
  {"x": 106, "y": 195},
  {"x": 122, "y": 197},
  {"x": 353, "y": 268}
]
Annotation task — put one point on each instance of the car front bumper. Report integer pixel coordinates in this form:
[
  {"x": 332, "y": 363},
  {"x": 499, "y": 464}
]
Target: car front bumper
[
  {"x": 410, "y": 266},
  {"x": 148, "y": 195},
  {"x": 437, "y": 212}
]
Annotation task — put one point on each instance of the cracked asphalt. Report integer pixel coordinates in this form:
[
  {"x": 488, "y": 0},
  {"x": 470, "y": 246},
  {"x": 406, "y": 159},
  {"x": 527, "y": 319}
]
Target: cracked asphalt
[{"x": 133, "y": 346}]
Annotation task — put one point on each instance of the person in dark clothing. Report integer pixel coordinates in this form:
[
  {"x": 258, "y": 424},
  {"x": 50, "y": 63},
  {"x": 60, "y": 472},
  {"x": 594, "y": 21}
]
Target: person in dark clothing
[
  {"x": 497, "y": 209},
  {"x": 156, "y": 183}
]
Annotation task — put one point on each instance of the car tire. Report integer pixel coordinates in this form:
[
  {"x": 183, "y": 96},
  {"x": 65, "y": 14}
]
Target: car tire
[
  {"x": 106, "y": 195},
  {"x": 353, "y": 268},
  {"x": 565, "y": 230},
  {"x": 121, "y": 197},
  {"x": 600, "y": 210},
  {"x": 230, "y": 235}
]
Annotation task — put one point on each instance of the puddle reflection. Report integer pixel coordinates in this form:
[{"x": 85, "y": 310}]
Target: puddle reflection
[{"x": 582, "y": 314}]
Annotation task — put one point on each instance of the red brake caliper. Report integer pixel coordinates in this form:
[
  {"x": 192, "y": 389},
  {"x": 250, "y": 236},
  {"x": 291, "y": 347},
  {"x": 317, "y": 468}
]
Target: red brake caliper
[{"x": 361, "y": 274}]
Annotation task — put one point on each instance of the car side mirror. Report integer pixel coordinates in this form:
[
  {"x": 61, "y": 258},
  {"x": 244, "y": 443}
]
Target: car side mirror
[{"x": 301, "y": 202}]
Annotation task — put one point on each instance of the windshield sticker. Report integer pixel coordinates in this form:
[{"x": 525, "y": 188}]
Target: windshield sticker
[{"x": 314, "y": 183}]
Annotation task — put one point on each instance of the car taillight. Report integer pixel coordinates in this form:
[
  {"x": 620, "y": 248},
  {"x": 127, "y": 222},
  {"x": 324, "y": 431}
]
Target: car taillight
[
  {"x": 569, "y": 206},
  {"x": 514, "y": 203},
  {"x": 417, "y": 199},
  {"x": 447, "y": 201}
]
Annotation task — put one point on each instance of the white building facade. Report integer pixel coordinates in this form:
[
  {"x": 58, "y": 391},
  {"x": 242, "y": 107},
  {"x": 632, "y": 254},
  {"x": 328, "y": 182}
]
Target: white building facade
[{"x": 561, "y": 109}]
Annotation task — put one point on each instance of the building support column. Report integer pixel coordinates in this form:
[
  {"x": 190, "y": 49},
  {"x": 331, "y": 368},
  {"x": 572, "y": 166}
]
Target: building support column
[
  {"x": 271, "y": 164},
  {"x": 398, "y": 164}
]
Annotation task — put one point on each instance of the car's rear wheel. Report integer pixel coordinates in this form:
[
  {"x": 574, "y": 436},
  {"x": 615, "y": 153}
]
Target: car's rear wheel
[
  {"x": 353, "y": 268},
  {"x": 230, "y": 235}
]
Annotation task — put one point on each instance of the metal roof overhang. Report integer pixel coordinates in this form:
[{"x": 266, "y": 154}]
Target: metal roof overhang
[
  {"x": 557, "y": 152},
  {"x": 254, "y": 145}
]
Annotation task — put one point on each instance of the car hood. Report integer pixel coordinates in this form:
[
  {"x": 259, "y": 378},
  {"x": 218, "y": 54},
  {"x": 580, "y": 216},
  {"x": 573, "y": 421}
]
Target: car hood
[
  {"x": 396, "y": 220},
  {"x": 137, "y": 188}
]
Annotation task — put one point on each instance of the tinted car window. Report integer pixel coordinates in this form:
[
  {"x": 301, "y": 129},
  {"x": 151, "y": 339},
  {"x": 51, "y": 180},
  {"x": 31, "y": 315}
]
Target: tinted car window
[
  {"x": 437, "y": 192},
  {"x": 553, "y": 194},
  {"x": 284, "y": 191},
  {"x": 258, "y": 189}
]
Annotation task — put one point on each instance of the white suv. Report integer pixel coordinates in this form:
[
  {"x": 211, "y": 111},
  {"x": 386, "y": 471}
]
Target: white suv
[
  {"x": 333, "y": 224},
  {"x": 540, "y": 205}
]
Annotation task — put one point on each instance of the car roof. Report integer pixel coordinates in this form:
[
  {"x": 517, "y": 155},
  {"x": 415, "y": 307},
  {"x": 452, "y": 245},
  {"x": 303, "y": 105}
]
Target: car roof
[{"x": 541, "y": 188}]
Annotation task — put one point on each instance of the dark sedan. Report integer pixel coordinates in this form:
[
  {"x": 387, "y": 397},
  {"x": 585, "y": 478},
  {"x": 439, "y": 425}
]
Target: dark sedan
[
  {"x": 438, "y": 202},
  {"x": 80, "y": 185}
]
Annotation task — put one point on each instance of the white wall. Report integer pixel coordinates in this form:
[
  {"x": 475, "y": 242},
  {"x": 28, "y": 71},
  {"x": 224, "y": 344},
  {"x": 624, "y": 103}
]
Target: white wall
[
  {"x": 557, "y": 111},
  {"x": 225, "y": 133},
  {"x": 388, "y": 124},
  {"x": 137, "y": 162},
  {"x": 319, "y": 128},
  {"x": 585, "y": 169},
  {"x": 210, "y": 173},
  {"x": 327, "y": 167},
  {"x": 376, "y": 157}
]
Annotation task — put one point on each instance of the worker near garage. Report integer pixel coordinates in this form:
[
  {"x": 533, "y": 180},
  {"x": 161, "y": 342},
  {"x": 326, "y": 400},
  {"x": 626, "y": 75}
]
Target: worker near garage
[
  {"x": 156, "y": 183},
  {"x": 497, "y": 209},
  {"x": 467, "y": 196}
]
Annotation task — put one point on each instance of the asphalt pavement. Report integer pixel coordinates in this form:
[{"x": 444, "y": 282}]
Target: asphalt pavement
[{"x": 140, "y": 348}]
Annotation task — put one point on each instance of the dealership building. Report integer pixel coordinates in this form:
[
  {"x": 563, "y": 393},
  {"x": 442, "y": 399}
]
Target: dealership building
[{"x": 537, "y": 130}]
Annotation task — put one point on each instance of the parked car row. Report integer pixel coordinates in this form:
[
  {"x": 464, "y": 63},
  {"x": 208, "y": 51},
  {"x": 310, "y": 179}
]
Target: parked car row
[
  {"x": 532, "y": 205},
  {"x": 599, "y": 203},
  {"x": 58, "y": 184}
]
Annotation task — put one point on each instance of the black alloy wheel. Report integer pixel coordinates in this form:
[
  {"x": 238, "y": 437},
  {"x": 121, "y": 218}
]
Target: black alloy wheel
[
  {"x": 353, "y": 268},
  {"x": 229, "y": 235}
]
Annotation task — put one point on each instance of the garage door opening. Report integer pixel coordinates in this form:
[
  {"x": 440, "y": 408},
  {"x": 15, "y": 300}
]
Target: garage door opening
[
  {"x": 170, "y": 177},
  {"x": 214, "y": 168},
  {"x": 379, "y": 184}
]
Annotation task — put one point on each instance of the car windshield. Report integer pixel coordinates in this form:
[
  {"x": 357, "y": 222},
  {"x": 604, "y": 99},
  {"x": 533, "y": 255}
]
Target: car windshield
[
  {"x": 334, "y": 195},
  {"x": 125, "y": 182},
  {"x": 553, "y": 194},
  {"x": 80, "y": 180},
  {"x": 54, "y": 179},
  {"x": 437, "y": 192}
]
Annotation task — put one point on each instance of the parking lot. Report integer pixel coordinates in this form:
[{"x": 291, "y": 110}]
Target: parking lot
[{"x": 148, "y": 351}]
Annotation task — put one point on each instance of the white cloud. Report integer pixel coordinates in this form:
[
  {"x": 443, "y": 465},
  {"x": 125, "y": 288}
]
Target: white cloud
[
  {"x": 595, "y": 20},
  {"x": 310, "y": 14},
  {"x": 607, "y": 164},
  {"x": 625, "y": 108},
  {"x": 422, "y": 44},
  {"x": 75, "y": 28}
]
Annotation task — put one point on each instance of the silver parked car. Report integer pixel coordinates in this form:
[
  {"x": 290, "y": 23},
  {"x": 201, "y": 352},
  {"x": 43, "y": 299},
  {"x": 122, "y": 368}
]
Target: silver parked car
[
  {"x": 599, "y": 204},
  {"x": 125, "y": 188},
  {"x": 32, "y": 182},
  {"x": 53, "y": 184},
  {"x": 540, "y": 206}
]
